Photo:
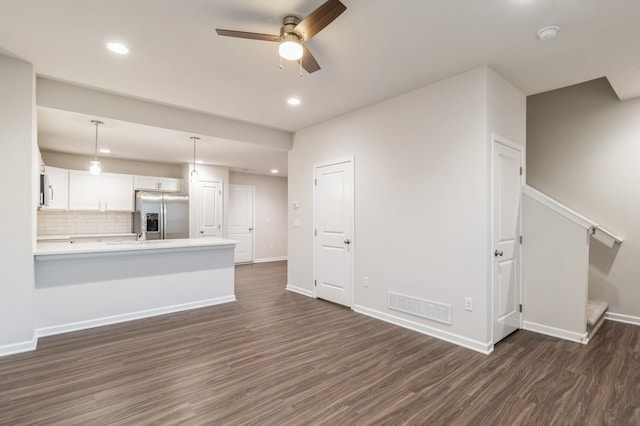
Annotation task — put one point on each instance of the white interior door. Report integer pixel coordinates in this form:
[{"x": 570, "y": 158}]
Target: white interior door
[
  {"x": 507, "y": 190},
  {"x": 333, "y": 220},
  {"x": 240, "y": 221},
  {"x": 210, "y": 212}
]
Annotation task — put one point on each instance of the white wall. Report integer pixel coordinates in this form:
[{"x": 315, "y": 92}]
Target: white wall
[
  {"x": 420, "y": 195},
  {"x": 270, "y": 228},
  {"x": 555, "y": 269},
  {"x": 422, "y": 191},
  {"x": 19, "y": 170},
  {"x": 583, "y": 150}
]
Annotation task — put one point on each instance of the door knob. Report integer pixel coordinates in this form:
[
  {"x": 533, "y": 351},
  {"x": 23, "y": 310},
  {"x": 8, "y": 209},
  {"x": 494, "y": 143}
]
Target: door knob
[
  {"x": 202, "y": 231},
  {"x": 498, "y": 253},
  {"x": 250, "y": 229},
  {"x": 347, "y": 241}
]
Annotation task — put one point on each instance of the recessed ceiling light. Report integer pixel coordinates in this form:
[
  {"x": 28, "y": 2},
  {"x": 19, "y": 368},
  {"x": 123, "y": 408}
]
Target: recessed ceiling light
[
  {"x": 293, "y": 101},
  {"x": 105, "y": 151},
  {"x": 118, "y": 48},
  {"x": 274, "y": 171},
  {"x": 549, "y": 32}
]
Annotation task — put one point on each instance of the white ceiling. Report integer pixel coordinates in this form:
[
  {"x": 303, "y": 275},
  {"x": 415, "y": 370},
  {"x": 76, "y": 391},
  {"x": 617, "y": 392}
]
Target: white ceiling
[{"x": 374, "y": 50}]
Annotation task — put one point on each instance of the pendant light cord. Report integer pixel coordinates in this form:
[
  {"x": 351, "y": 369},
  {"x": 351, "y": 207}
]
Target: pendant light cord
[
  {"x": 193, "y": 176},
  {"x": 97, "y": 123},
  {"x": 194, "y": 152}
]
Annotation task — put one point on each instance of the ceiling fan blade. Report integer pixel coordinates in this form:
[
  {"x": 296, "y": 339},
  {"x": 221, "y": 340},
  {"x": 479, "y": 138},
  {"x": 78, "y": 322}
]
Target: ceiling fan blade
[
  {"x": 318, "y": 19},
  {"x": 309, "y": 63},
  {"x": 244, "y": 34}
]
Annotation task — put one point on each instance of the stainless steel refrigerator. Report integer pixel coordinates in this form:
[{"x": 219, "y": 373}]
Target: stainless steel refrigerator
[{"x": 161, "y": 215}]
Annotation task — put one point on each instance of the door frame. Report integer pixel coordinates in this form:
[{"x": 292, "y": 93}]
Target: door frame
[
  {"x": 497, "y": 139},
  {"x": 348, "y": 159},
  {"x": 253, "y": 217}
]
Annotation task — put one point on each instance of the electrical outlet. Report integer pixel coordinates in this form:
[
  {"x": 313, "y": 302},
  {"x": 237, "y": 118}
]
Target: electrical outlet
[
  {"x": 365, "y": 281},
  {"x": 468, "y": 304}
]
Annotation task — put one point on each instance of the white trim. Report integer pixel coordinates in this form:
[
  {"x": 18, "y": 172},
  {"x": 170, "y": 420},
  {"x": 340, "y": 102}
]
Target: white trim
[
  {"x": 556, "y": 332},
  {"x": 628, "y": 319},
  {"x": 270, "y": 259},
  {"x": 606, "y": 237},
  {"x": 484, "y": 348},
  {"x": 558, "y": 207},
  {"x": 334, "y": 162},
  {"x": 506, "y": 142},
  {"x": 99, "y": 322},
  {"x": 16, "y": 348},
  {"x": 300, "y": 290}
]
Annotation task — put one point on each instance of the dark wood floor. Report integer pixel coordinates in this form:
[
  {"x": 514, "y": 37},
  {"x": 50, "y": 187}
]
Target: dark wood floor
[{"x": 275, "y": 357}]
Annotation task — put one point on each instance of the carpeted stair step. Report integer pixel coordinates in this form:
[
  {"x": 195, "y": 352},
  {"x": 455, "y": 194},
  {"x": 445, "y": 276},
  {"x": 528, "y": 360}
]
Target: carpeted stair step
[{"x": 595, "y": 313}]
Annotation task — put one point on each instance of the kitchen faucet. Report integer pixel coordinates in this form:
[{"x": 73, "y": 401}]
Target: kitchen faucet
[{"x": 143, "y": 228}]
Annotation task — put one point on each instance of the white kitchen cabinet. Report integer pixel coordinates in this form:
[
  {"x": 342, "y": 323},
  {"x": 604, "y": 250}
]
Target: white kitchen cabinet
[
  {"x": 58, "y": 188},
  {"x": 154, "y": 183},
  {"x": 118, "y": 192},
  {"x": 85, "y": 191},
  {"x": 104, "y": 192}
]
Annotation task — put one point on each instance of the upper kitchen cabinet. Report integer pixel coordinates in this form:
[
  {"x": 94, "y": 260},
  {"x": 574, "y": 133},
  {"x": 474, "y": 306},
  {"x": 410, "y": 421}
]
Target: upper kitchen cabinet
[
  {"x": 104, "y": 192},
  {"x": 118, "y": 192},
  {"x": 157, "y": 183},
  {"x": 85, "y": 191},
  {"x": 58, "y": 188}
]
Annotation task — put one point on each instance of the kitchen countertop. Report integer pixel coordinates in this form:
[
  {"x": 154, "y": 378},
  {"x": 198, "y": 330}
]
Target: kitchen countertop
[
  {"x": 57, "y": 248},
  {"x": 80, "y": 236}
]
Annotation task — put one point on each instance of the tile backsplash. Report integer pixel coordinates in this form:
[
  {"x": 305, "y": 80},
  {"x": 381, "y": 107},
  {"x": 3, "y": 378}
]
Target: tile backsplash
[{"x": 76, "y": 223}]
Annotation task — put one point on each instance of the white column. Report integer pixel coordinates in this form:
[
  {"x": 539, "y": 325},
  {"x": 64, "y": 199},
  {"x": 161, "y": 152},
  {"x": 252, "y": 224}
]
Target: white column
[{"x": 20, "y": 174}]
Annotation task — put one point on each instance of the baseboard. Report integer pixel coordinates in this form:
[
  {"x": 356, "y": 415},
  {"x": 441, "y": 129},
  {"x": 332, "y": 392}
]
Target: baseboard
[
  {"x": 556, "y": 332},
  {"x": 270, "y": 259},
  {"x": 16, "y": 348},
  {"x": 622, "y": 318},
  {"x": 99, "y": 322},
  {"x": 484, "y": 348},
  {"x": 299, "y": 290}
]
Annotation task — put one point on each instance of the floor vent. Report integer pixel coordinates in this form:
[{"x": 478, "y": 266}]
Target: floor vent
[{"x": 419, "y": 307}]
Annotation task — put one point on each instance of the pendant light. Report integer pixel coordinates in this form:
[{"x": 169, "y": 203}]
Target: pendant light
[
  {"x": 193, "y": 176},
  {"x": 94, "y": 166}
]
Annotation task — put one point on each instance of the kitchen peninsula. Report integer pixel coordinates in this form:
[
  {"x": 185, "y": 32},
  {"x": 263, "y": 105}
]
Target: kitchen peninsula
[{"x": 84, "y": 285}]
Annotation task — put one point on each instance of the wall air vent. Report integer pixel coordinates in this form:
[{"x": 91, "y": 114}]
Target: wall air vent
[{"x": 419, "y": 307}]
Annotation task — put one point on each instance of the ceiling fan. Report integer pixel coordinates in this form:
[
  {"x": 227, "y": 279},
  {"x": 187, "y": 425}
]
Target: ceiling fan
[{"x": 295, "y": 32}]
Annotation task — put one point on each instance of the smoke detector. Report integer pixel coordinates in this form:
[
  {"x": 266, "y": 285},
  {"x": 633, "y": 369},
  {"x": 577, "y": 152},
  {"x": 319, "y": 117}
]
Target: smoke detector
[{"x": 548, "y": 32}]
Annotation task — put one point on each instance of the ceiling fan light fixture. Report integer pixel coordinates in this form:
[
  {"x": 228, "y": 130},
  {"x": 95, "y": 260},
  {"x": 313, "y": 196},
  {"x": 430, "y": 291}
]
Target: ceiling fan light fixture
[{"x": 290, "y": 47}]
